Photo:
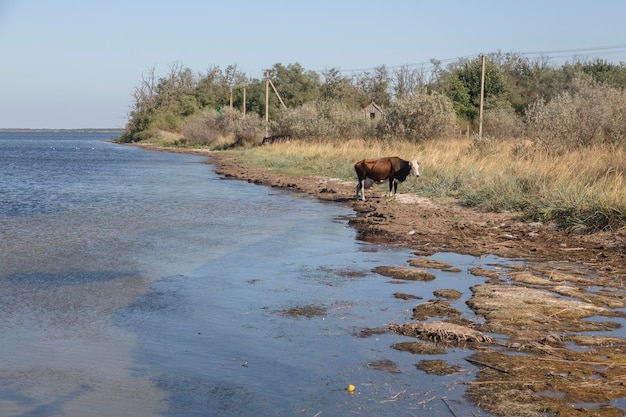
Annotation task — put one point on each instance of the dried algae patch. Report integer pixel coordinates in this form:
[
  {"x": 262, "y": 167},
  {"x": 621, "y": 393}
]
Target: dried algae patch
[
  {"x": 596, "y": 299},
  {"x": 564, "y": 384},
  {"x": 597, "y": 340},
  {"x": 481, "y": 272},
  {"x": 509, "y": 308},
  {"x": 437, "y": 367},
  {"x": 419, "y": 348},
  {"x": 429, "y": 263},
  {"x": 405, "y": 296},
  {"x": 409, "y": 274},
  {"x": 434, "y": 308},
  {"x": 549, "y": 379},
  {"x": 526, "y": 278},
  {"x": 448, "y": 293},
  {"x": 305, "y": 311},
  {"x": 441, "y": 331},
  {"x": 561, "y": 273},
  {"x": 385, "y": 365}
]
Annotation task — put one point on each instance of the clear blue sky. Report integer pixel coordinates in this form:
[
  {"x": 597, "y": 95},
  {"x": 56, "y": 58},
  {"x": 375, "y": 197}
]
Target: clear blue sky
[{"x": 75, "y": 63}]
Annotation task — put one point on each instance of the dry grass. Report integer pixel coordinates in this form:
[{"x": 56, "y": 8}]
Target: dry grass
[{"x": 583, "y": 190}]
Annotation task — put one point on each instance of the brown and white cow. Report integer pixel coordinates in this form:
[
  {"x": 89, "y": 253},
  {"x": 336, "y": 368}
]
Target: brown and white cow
[{"x": 393, "y": 169}]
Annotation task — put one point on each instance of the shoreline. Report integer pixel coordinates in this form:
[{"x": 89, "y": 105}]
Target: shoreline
[
  {"x": 538, "y": 312},
  {"x": 428, "y": 226}
]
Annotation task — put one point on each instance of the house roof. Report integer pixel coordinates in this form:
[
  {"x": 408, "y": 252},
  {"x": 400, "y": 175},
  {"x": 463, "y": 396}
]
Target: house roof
[{"x": 373, "y": 106}]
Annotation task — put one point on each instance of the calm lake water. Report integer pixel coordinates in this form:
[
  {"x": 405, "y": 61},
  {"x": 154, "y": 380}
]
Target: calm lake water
[{"x": 139, "y": 283}]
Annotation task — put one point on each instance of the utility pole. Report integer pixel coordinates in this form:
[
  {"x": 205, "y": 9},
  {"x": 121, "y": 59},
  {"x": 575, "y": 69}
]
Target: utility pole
[
  {"x": 267, "y": 102},
  {"x": 277, "y": 95},
  {"x": 269, "y": 82},
  {"x": 230, "y": 114},
  {"x": 482, "y": 98},
  {"x": 244, "y": 101}
]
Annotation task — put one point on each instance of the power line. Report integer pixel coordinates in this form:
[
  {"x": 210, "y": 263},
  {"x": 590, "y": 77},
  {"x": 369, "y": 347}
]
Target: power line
[
  {"x": 562, "y": 53},
  {"x": 579, "y": 50}
]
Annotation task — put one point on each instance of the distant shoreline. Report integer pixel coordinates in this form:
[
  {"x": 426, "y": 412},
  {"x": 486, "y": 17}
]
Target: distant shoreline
[{"x": 84, "y": 130}]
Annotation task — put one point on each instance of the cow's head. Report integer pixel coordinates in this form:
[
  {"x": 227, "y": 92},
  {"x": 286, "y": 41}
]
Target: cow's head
[{"x": 415, "y": 168}]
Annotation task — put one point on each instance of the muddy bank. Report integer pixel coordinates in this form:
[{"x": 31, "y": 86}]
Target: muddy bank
[
  {"x": 535, "y": 352},
  {"x": 428, "y": 226},
  {"x": 550, "y": 341}
]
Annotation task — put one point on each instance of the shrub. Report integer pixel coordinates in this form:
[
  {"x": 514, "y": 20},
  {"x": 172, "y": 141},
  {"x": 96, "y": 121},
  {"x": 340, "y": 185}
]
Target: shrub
[
  {"x": 248, "y": 130},
  {"x": 300, "y": 122},
  {"x": 502, "y": 123},
  {"x": 586, "y": 115},
  {"x": 205, "y": 129},
  {"x": 345, "y": 122},
  {"x": 322, "y": 120},
  {"x": 212, "y": 128},
  {"x": 418, "y": 118}
]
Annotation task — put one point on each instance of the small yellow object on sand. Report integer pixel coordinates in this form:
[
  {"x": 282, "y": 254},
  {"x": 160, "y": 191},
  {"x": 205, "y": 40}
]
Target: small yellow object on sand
[{"x": 351, "y": 388}]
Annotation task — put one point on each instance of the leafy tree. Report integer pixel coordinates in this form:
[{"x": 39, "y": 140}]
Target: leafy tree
[
  {"x": 209, "y": 91},
  {"x": 470, "y": 75},
  {"x": 604, "y": 72},
  {"x": 295, "y": 85},
  {"x": 529, "y": 81},
  {"x": 375, "y": 87},
  {"x": 234, "y": 80},
  {"x": 452, "y": 87},
  {"x": 461, "y": 83},
  {"x": 255, "y": 98},
  {"x": 512, "y": 81},
  {"x": 213, "y": 89},
  {"x": 175, "y": 98},
  {"x": 143, "y": 108},
  {"x": 336, "y": 87}
]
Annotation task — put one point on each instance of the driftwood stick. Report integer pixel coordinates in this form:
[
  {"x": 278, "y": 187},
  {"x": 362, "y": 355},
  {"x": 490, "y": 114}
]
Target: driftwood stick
[
  {"x": 476, "y": 362},
  {"x": 503, "y": 382},
  {"x": 395, "y": 397},
  {"x": 449, "y": 407},
  {"x": 608, "y": 364}
]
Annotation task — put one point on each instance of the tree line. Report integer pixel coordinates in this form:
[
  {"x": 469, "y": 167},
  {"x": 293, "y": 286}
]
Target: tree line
[{"x": 522, "y": 97}]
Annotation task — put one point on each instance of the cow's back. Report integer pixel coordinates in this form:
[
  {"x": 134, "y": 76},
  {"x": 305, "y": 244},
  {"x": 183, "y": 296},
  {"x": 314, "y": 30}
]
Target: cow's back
[{"x": 376, "y": 169}]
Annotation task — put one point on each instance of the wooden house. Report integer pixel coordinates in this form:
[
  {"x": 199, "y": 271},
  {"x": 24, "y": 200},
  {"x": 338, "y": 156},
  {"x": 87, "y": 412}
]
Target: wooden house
[{"x": 372, "y": 111}]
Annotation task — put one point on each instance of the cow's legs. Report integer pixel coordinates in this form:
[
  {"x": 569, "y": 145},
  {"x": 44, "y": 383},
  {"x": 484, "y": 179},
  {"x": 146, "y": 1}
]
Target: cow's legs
[
  {"x": 361, "y": 187},
  {"x": 393, "y": 188}
]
